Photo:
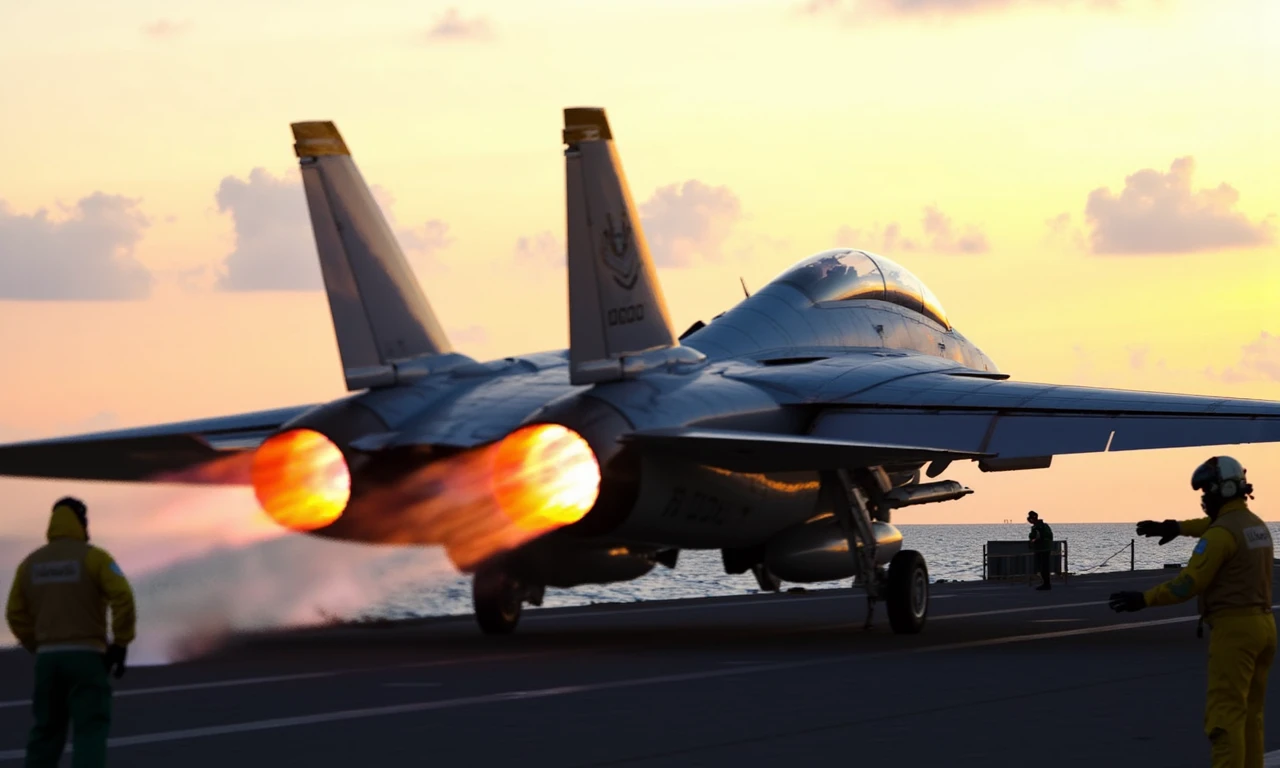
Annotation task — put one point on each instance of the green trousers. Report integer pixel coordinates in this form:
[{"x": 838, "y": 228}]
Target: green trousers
[{"x": 71, "y": 687}]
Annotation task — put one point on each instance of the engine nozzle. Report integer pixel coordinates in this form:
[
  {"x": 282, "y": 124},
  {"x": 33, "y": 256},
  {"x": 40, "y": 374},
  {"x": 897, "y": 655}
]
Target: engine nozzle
[{"x": 301, "y": 479}]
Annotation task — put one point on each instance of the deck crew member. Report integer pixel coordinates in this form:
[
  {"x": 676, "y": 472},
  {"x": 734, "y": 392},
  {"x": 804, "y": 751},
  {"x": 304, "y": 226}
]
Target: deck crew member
[
  {"x": 1230, "y": 573},
  {"x": 58, "y": 611},
  {"x": 1041, "y": 542}
]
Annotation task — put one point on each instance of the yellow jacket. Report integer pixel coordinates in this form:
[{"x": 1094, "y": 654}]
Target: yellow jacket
[
  {"x": 61, "y": 592},
  {"x": 1216, "y": 547}
]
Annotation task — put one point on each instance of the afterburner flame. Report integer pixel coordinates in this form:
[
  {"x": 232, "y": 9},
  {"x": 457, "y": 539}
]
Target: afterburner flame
[
  {"x": 544, "y": 477},
  {"x": 484, "y": 501},
  {"x": 301, "y": 479}
]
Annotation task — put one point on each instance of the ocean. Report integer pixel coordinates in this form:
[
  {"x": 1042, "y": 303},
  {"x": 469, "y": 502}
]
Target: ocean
[{"x": 952, "y": 552}]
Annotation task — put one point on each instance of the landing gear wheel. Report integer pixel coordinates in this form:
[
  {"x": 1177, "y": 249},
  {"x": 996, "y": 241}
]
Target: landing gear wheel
[
  {"x": 498, "y": 600},
  {"x": 907, "y": 592},
  {"x": 765, "y": 578}
]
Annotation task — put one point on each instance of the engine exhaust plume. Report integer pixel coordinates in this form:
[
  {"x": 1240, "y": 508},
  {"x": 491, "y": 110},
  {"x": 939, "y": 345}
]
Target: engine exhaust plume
[
  {"x": 301, "y": 479},
  {"x": 489, "y": 500}
]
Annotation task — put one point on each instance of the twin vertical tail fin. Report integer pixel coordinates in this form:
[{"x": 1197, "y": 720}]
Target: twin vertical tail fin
[
  {"x": 387, "y": 332},
  {"x": 618, "y": 320}
]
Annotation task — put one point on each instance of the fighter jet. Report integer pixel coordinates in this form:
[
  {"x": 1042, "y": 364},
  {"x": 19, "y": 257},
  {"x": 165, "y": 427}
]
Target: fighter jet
[{"x": 783, "y": 433}]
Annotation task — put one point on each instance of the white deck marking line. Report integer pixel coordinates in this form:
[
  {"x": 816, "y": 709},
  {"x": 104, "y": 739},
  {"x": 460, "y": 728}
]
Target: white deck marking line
[
  {"x": 198, "y": 686},
  {"x": 1058, "y": 634},
  {"x": 493, "y": 698},
  {"x": 422, "y": 706},
  {"x": 539, "y": 616},
  {"x": 285, "y": 678},
  {"x": 1027, "y": 609}
]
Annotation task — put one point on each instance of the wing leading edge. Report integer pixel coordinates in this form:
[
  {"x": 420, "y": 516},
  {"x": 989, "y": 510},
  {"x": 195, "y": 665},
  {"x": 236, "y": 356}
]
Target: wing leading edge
[{"x": 1018, "y": 421}]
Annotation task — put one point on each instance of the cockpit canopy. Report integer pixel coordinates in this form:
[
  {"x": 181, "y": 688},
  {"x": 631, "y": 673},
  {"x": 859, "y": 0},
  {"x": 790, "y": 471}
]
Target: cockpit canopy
[{"x": 842, "y": 274}]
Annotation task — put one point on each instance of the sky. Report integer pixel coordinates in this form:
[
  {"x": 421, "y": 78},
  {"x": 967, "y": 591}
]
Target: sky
[{"x": 1090, "y": 187}]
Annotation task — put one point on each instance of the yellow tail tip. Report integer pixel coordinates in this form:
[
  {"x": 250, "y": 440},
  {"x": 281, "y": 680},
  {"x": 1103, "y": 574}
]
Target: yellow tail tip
[
  {"x": 312, "y": 139},
  {"x": 585, "y": 124}
]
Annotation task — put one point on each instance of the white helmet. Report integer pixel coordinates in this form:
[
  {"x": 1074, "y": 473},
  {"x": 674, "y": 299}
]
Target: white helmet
[{"x": 1221, "y": 476}]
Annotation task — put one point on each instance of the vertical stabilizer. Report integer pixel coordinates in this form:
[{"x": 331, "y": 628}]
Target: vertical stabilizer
[
  {"x": 385, "y": 327},
  {"x": 618, "y": 321}
]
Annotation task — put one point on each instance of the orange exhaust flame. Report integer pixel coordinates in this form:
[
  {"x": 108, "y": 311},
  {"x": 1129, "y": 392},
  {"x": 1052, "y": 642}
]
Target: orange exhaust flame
[
  {"x": 544, "y": 477},
  {"x": 489, "y": 500},
  {"x": 301, "y": 479}
]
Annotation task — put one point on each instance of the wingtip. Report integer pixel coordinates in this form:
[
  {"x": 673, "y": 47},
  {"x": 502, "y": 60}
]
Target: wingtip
[
  {"x": 585, "y": 124},
  {"x": 319, "y": 137}
]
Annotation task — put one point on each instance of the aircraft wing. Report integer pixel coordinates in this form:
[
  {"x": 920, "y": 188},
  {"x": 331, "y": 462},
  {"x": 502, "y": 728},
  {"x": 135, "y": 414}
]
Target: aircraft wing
[
  {"x": 903, "y": 398},
  {"x": 765, "y": 452},
  {"x": 1019, "y": 421},
  {"x": 203, "y": 452}
]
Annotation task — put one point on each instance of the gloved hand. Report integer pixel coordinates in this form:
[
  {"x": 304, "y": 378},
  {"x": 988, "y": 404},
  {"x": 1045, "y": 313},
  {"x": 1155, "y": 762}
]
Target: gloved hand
[
  {"x": 1167, "y": 530},
  {"x": 1127, "y": 601},
  {"x": 115, "y": 658}
]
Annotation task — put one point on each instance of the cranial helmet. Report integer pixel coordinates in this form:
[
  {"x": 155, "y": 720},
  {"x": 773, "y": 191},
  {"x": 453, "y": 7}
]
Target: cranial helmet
[{"x": 1219, "y": 479}]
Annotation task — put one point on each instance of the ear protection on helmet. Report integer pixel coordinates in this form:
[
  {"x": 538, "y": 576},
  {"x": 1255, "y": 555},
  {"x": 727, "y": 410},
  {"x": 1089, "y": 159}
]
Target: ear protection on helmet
[
  {"x": 1221, "y": 476},
  {"x": 1228, "y": 489}
]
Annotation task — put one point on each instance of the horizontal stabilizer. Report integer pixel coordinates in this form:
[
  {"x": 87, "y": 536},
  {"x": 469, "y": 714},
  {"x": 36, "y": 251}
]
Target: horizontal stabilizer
[
  {"x": 203, "y": 452},
  {"x": 386, "y": 329},
  {"x": 765, "y": 452},
  {"x": 133, "y": 459}
]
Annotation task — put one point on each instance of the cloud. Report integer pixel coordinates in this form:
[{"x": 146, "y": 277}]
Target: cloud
[
  {"x": 164, "y": 29},
  {"x": 452, "y": 27},
  {"x": 1063, "y": 229},
  {"x": 275, "y": 249},
  {"x": 945, "y": 240},
  {"x": 886, "y": 240},
  {"x": 542, "y": 251},
  {"x": 859, "y": 10},
  {"x": 1140, "y": 360},
  {"x": 425, "y": 241},
  {"x": 86, "y": 255},
  {"x": 1160, "y": 213},
  {"x": 1259, "y": 360},
  {"x": 684, "y": 221},
  {"x": 939, "y": 236}
]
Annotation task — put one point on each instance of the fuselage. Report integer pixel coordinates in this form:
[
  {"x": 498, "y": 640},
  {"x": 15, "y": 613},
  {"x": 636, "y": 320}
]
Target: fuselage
[{"x": 774, "y": 339}]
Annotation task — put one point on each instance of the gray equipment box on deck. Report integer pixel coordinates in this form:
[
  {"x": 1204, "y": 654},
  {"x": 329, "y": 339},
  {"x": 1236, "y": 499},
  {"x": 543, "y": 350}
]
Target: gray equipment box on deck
[{"x": 1014, "y": 559}]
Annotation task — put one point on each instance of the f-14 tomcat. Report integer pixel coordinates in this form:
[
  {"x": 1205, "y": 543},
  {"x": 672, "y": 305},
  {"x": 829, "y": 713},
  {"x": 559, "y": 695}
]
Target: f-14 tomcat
[{"x": 783, "y": 433}]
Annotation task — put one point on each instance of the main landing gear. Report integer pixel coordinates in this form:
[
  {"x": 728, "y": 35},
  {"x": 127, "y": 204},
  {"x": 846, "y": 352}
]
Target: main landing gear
[
  {"x": 765, "y": 578},
  {"x": 905, "y": 588},
  {"x": 498, "y": 599}
]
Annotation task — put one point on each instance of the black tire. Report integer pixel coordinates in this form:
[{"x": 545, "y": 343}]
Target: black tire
[
  {"x": 498, "y": 600},
  {"x": 908, "y": 592},
  {"x": 765, "y": 578}
]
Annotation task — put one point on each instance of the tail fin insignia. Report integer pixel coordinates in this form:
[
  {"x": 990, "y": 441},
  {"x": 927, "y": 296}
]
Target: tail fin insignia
[{"x": 617, "y": 253}]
